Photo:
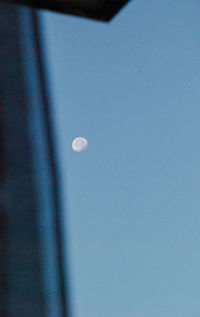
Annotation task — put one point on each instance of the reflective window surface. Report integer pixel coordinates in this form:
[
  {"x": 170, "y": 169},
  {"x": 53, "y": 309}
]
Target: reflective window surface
[{"x": 131, "y": 198}]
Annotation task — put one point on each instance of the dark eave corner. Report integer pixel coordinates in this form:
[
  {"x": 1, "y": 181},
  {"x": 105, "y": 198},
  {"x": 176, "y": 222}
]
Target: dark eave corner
[{"x": 103, "y": 10}]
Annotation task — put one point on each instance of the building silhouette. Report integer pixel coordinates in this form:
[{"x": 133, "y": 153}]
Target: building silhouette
[{"x": 32, "y": 262}]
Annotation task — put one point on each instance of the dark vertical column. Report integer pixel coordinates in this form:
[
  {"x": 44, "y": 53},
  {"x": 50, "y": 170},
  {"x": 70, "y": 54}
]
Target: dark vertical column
[
  {"x": 54, "y": 175},
  {"x": 32, "y": 279},
  {"x": 3, "y": 264},
  {"x": 21, "y": 278},
  {"x": 3, "y": 234}
]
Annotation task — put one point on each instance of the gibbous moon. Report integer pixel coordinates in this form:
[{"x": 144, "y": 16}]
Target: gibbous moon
[{"x": 79, "y": 144}]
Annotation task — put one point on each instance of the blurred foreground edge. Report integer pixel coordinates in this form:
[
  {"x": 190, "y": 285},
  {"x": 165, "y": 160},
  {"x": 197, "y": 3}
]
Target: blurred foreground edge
[
  {"x": 32, "y": 261},
  {"x": 103, "y": 10}
]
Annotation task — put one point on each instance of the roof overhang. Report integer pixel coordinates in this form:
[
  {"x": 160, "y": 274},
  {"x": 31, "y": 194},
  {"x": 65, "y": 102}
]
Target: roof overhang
[{"x": 103, "y": 10}]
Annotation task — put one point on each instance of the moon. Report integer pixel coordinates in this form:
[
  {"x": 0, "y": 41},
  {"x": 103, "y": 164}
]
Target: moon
[{"x": 79, "y": 144}]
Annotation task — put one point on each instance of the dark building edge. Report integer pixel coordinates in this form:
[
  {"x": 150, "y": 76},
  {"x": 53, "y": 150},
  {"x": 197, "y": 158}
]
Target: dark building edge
[
  {"x": 21, "y": 283},
  {"x": 103, "y": 12},
  {"x": 52, "y": 159}
]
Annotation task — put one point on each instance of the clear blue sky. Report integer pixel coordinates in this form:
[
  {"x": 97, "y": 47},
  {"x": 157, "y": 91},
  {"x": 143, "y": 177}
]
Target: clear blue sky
[{"x": 132, "y": 199}]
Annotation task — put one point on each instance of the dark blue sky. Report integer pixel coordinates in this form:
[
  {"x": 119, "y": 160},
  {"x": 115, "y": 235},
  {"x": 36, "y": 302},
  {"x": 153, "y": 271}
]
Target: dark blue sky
[{"x": 131, "y": 199}]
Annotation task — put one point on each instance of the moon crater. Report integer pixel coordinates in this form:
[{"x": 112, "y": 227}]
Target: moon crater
[{"x": 79, "y": 144}]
